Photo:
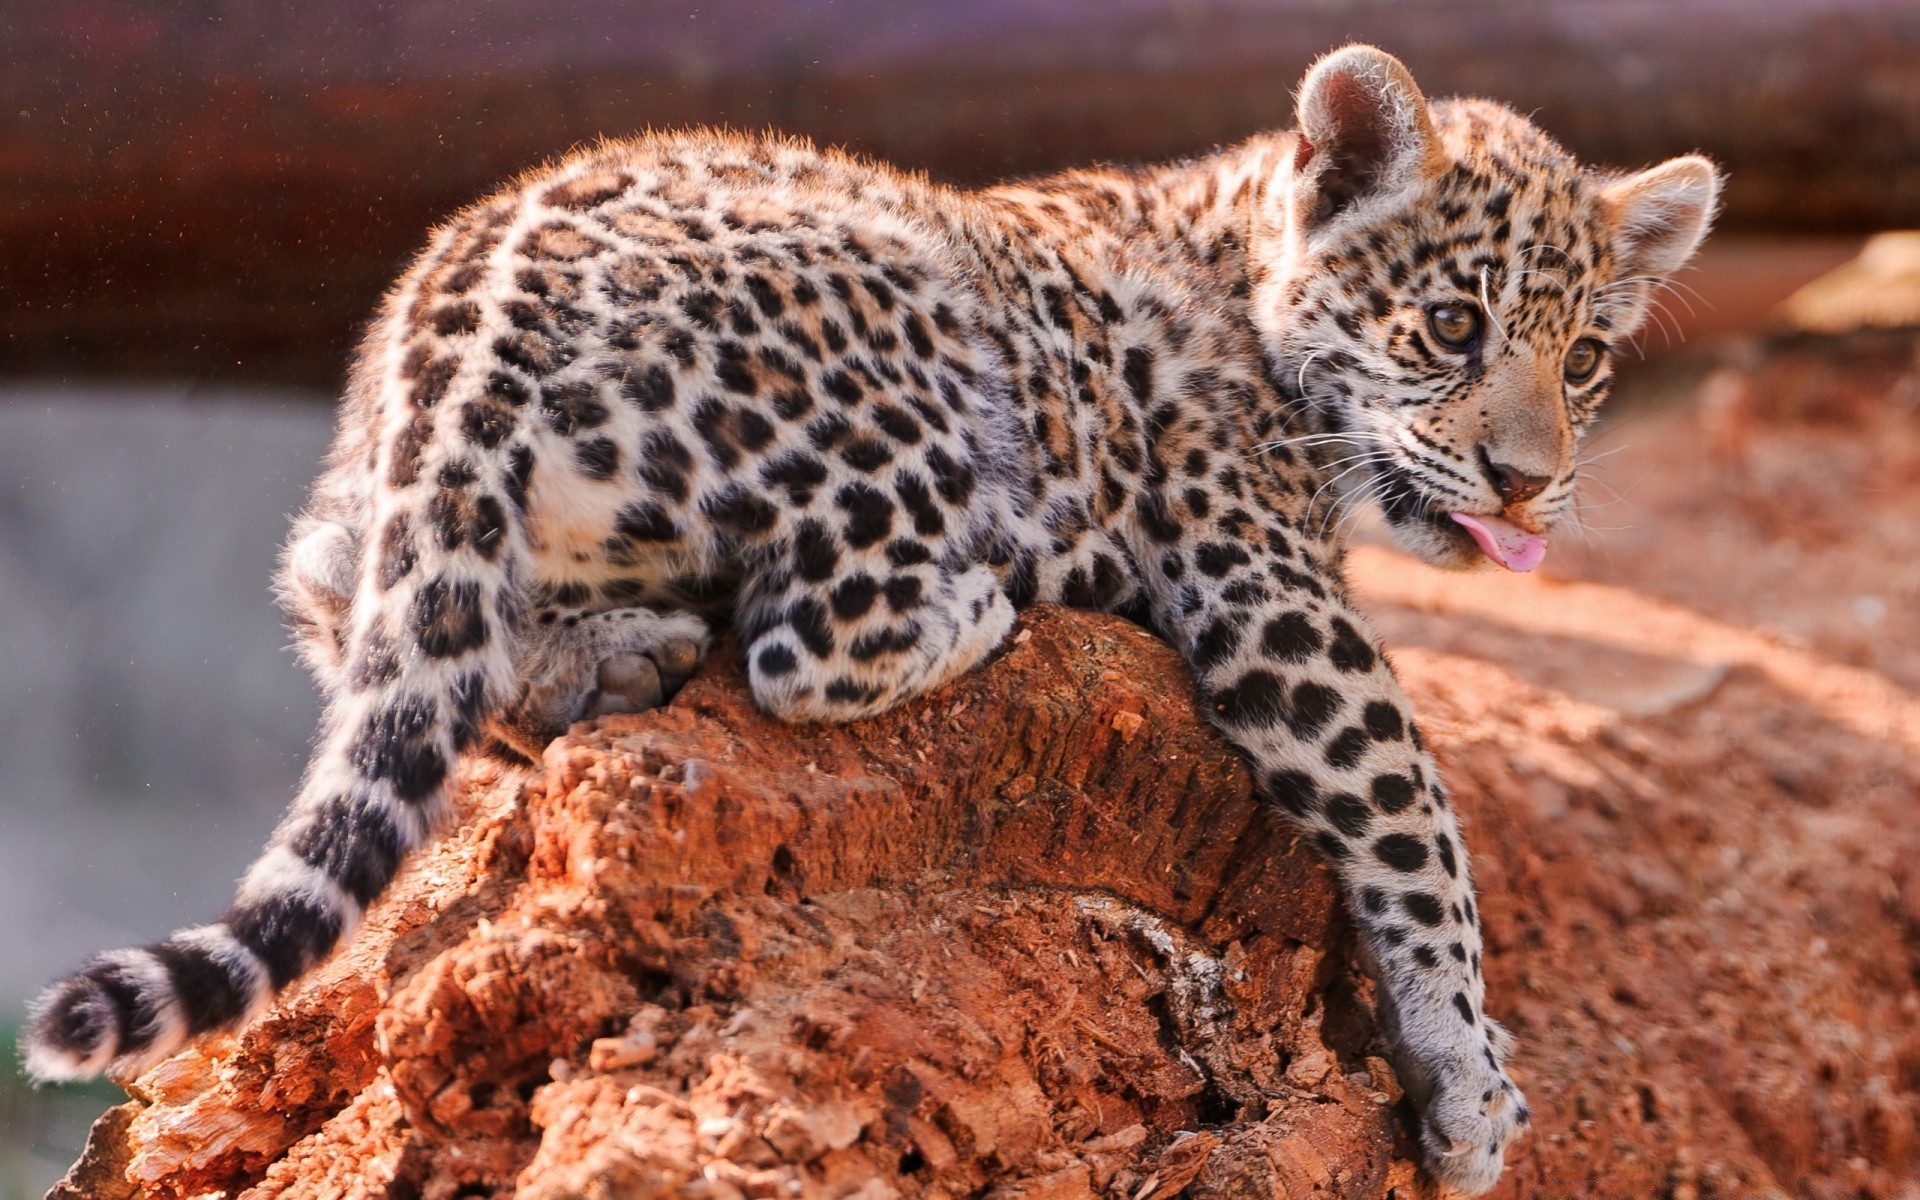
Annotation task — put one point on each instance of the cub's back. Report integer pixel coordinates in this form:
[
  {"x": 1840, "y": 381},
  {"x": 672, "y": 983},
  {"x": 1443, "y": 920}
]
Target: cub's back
[{"x": 677, "y": 341}]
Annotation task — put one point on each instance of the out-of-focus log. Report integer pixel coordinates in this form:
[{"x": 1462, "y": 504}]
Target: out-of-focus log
[{"x": 226, "y": 192}]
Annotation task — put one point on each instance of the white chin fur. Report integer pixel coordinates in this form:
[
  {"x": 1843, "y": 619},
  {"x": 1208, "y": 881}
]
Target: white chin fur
[{"x": 1437, "y": 549}]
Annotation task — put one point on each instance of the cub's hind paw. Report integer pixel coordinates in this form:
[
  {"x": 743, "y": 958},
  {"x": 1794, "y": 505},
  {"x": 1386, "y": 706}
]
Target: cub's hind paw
[
  {"x": 668, "y": 663},
  {"x": 628, "y": 683},
  {"x": 595, "y": 664},
  {"x": 1467, "y": 1122}
]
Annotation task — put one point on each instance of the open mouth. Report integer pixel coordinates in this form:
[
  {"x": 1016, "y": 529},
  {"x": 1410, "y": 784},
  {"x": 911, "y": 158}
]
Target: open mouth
[{"x": 1403, "y": 502}]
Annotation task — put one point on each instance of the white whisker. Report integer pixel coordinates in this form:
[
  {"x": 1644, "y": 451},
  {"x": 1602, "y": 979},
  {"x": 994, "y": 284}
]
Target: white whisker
[
  {"x": 1487, "y": 305},
  {"x": 1313, "y": 439},
  {"x": 1371, "y": 495},
  {"x": 1353, "y": 502},
  {"x": 1300, "y": 376},
  {"x": 1517, "y": 276},
  {"x": 1315, "y": 498},
  {"x": 1602, "y": 456}
]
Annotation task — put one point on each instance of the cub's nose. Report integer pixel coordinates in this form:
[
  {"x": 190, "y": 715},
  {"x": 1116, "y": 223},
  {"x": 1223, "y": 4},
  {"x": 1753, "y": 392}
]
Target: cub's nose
[{"x": 1514, "y": 485}]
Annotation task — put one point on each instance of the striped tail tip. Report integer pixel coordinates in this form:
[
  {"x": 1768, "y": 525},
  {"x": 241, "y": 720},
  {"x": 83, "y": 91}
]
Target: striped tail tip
[
  {"x": 119, "y": 1007},
  {"x": 131, "y": 1008}
]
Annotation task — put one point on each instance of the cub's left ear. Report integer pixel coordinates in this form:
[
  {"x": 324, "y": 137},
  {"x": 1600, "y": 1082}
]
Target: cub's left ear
[
  {"x": 1364, "y": 131},
  {"x": 1661, "y": 214}
]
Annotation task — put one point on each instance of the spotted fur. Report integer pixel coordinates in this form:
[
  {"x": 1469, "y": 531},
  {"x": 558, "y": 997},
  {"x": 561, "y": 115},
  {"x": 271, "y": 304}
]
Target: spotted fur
[{"x": 864, "y": 418}]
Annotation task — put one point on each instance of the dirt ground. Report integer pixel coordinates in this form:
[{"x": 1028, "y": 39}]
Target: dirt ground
[{"x": 1031, "y": 938}]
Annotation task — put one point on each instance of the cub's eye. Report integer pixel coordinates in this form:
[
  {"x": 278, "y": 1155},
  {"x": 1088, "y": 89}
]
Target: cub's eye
[
  {"x": 1457, "y": 326},
  {"x": 1583, "y": 359}
]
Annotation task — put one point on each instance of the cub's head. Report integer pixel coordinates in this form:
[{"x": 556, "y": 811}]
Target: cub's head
[{"x": 1448, "y": 289}]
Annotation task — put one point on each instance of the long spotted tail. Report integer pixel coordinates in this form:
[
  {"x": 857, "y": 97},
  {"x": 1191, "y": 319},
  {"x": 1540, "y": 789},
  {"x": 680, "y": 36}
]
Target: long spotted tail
[{"x": 427, "y": 658}]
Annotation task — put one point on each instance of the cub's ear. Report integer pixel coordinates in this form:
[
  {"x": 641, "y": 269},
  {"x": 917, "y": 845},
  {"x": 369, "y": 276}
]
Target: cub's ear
[
  {"x": 1364, "y": 131},
  {"x": 1661, "y": 214}
]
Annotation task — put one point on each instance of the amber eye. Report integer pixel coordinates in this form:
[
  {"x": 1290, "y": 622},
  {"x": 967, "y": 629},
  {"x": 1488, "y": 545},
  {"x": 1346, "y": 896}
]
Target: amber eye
[
  {"x": 1583, "y": 359},
  {"x": 1457, "y": 326}
]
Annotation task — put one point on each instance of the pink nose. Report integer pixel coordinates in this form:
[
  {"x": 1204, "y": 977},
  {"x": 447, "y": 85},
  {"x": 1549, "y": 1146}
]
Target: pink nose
[{"x": 1514, "y": 485}]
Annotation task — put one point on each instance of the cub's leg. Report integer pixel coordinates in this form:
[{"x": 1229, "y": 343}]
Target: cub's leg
[
  {"x": 573, "y": 664},
  {"x": 846, "y": 635},
  {"x": 1290, "y": 672},
  {"x": 318, "y": 574}
]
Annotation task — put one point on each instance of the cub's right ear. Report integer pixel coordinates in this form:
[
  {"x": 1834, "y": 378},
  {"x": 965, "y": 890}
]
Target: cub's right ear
[
  {"x": 1364, "y": 132},
  {"x": 1661, "y": 215}
]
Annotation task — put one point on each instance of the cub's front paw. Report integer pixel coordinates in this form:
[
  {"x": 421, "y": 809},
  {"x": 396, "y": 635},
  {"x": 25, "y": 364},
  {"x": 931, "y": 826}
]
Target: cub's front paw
[{"x": 1469, "y": 1113}]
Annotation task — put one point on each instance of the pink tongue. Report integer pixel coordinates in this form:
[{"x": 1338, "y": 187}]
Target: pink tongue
[{"x": 1504, "y": 542}]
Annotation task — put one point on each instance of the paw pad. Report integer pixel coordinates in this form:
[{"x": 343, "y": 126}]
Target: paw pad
[
  {"x": 635, "y": 681},
  {"x": 628, "y": 683}
]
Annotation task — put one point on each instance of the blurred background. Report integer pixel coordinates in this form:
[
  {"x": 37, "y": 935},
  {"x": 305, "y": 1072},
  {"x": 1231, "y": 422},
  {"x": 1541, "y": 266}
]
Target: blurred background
[{"x": 202, "y": 200}]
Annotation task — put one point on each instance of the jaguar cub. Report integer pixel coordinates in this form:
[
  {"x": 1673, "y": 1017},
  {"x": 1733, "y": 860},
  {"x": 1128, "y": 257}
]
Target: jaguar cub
[{"x": 864, "y": 419}]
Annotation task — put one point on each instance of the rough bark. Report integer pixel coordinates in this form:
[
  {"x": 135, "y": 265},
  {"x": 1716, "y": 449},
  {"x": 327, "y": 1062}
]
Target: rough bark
[{"x": 1030, "y": 937}]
